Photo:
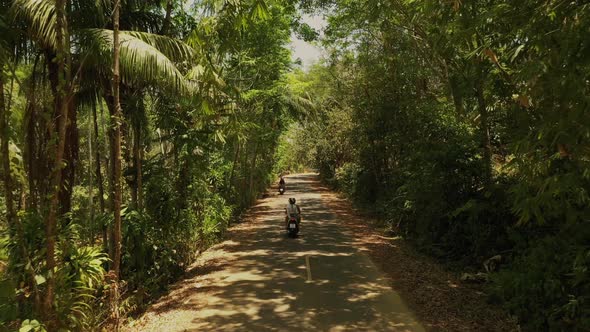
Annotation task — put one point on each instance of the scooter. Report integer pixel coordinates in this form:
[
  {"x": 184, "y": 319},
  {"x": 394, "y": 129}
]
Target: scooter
[{"x": 293, "y": 227}]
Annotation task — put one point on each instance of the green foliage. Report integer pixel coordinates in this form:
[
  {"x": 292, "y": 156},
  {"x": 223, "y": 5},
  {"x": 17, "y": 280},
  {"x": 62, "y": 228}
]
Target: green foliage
[
  {"x": 80, "y": 279},
  {"x": 8, "y": 307},
  {"x": 463, "y": 126},
  {"x": 180, "y": 218},
  {"x": 204, "y": 98},
  {"x": 216, "y": 214},
  {"x": 348, "y": 178},
  {"x": 292, "y": 153},
  {"x": 547, "y": 286},
  {"x": 80, "y": 276},
  {"x": 31, "y": 325}
]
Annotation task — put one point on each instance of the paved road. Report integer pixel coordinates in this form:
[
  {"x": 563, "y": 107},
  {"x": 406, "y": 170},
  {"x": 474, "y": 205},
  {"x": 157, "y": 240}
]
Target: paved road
[{"x": 264, "y": 281}]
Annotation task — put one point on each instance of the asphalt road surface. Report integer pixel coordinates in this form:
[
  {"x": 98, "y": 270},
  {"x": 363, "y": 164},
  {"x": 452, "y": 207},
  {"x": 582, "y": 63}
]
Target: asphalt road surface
[{"x": 261, "y": 280}]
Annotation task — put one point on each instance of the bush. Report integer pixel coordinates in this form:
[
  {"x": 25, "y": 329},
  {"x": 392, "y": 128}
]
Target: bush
[
  {"x": 347, "y": 178},
  {"x": 548, "y": 285}
]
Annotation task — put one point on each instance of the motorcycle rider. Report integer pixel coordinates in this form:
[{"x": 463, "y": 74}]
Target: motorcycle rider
[
  {"x": 282, "y": 185},
  {"x": 292, "y": 210}
]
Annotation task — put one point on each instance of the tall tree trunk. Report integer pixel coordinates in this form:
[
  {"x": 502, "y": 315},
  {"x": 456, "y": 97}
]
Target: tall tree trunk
[
  {"x": 91, "y": 180},
  {"x": 31, "y": 118},
  {"x": 137, "y": 155},
  {"x": 162, "y": 150},
  {"x": 99, "y": 181},
  {"x": 108, "y": 142},
  {"x": 485, "y": 132},
  {"x": 116, "y": 162},
  {"x": 457, "y": 98},
  {"x": 22, "y": 202},
  {"x": 133, "y": 182},
  {"x": 140, "y": 179},
  {"x": 105, "y": 130},
  {"x": 61, "y": 106},
  {"x": 166, "y": 25},
  {"x": 31, "y": 153},
  {"x": 70, "y": 153},
  {"x": 8, "y": 194},
  {"x": 126, "y": 147},
  {"x": 70, "y": 157},
  {"x": 111, "y": 178}
]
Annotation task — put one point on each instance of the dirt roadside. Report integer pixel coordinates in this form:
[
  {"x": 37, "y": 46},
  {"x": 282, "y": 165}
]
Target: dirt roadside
[{"x": 437, "y": 297}]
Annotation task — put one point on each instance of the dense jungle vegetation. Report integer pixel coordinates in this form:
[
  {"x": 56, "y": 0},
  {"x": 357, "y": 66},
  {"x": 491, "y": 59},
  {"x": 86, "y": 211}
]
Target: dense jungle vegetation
[
  {"x": 465, "y": 126},
  {"x": 134, "y": 132}
]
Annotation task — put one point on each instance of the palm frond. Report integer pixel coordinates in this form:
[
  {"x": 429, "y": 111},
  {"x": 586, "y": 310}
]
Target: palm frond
[
  {"x": 215, "y": 6},
  {"x": 259, "y": 11},
  {"x": 41, "y": 17},
  {"x": 298, "y": 105},
  {"x": 141, "y": 62},
  {"x": 174, "y": 49},
  {"x": 206, "y": 75}
]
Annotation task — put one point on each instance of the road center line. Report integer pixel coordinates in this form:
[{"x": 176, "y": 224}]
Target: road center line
[{"x": 308, "y": 268}]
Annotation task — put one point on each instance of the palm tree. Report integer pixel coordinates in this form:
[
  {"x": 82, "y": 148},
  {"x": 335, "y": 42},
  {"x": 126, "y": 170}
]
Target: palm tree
[
  {"x": 143, "y": 57},
  {"x": 116, "y": 158},
  {"x": 61, "y": 108},
  {"x": 76, "y": 52}
]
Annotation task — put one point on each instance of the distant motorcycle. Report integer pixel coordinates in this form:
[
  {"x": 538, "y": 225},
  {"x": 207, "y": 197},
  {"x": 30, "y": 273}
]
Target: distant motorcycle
[{"x": 281, "y": 189}]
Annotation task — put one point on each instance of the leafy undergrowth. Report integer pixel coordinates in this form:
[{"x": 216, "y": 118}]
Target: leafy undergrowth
[{"x": 177, "y": 305}]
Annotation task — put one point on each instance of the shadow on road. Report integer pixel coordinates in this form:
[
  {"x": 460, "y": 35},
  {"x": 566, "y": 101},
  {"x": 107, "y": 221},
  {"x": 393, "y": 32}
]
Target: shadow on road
[{"x": 260, "y": 280}]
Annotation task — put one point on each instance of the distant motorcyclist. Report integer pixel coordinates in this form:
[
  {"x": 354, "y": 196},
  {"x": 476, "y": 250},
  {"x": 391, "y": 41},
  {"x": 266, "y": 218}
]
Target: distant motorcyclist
[
  {"x": 282, "y": 187},
  {"x": 292, "y": 210}
]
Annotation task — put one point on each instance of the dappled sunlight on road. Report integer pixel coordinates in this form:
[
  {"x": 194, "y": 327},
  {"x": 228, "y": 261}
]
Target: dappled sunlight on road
[{"x": 260, "y": 280}]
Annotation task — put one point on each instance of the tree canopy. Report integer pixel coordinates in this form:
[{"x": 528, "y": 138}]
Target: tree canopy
[
  {"x": 464, "y": 126},
  {"x": 133, "y": 133}
]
